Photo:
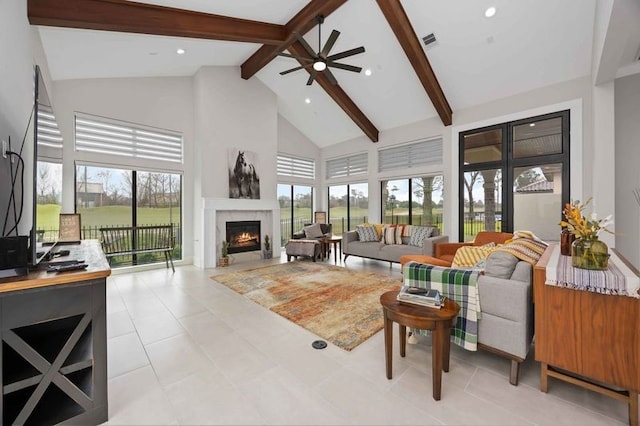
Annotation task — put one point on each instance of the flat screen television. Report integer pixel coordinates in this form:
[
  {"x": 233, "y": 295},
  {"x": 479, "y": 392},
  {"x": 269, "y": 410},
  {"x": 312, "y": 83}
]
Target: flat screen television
[{"x": 38, "y": 250}]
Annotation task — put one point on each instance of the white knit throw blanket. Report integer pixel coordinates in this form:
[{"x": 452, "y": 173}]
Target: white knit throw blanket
[{"x": 617, "y": 279}]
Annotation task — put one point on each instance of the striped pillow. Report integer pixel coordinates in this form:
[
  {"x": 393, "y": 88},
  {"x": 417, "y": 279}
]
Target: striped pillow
[{"x": 392, "y": 235}]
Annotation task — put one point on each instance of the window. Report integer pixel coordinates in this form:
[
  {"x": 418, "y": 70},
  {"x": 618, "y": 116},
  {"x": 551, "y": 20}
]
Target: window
[
  {"x": 49, "y": 200},
  {"x": 107, "y": 196},
  {"x": 416, "y": 154},
  {"x": 348, "y": 206},
  {"x": 102, "y": 135},
  {"x": 296, "y": 209},
  {"x": 415, "y": 201},
  {"x": 352, "y": 165},
  {"x": 515, "y": 176},
  {"x": 296, "y": 167}
]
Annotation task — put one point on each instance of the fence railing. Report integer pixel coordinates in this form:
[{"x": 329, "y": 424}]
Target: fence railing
[{"x": 92, "y": 232}]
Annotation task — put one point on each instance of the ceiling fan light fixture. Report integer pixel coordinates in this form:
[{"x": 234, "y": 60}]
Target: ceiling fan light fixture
[{"x": 319, "y": 65}]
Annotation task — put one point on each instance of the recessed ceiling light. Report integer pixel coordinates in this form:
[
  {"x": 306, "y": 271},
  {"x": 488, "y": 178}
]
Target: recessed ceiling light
[
  {"x": 307, "y": 101},
  {"x": 490, "y": 12},
  {"x": 367, "y": 72},
  {"x": 180, "y": 51},
  {"x": 532, "y": 124}
]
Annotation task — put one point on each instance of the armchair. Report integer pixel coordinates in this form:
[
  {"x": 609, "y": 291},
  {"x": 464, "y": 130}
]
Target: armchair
[
  {"x": 446, "y": 251},
  {"x": 325, "y": 230}
]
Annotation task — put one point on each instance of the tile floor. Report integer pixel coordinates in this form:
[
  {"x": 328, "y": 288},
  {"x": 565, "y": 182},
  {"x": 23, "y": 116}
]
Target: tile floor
[{"x": 184, "y": 349}]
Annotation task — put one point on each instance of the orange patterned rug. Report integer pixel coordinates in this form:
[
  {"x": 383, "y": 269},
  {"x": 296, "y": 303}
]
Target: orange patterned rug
[{"x": 337, "y": 304}]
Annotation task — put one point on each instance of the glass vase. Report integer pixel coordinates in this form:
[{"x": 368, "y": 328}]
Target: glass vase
[{"x": 589, "y": 253}]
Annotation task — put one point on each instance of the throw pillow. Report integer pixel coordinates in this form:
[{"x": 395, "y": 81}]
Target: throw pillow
[
  {"x": 500, "y": 265},
  {"x": 418, "y": 234},
  {"x": 467, "y": 256},
  {"x": 313, "y": 231},
  {"x": 391, "y": 235},
  {"x": 367, "y": 233},
  {"x": 378, "y": 227}
]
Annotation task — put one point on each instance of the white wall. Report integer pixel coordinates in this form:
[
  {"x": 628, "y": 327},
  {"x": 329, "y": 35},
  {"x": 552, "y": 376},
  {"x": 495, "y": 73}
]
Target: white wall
[
  {"x": 234, "y": 113},
  {"x": 627, "y": 171},
  {"x": 291, "y": 141},
  {"x": 20, "y": 50}
]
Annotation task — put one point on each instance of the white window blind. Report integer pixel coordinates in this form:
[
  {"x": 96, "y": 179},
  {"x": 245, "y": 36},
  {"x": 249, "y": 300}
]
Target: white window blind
[
  {"x": 48, "y": 132},
  {"x": 296, "y": 167},
  {"x": 347, "y": 166},
  {"x": 107, "y": 136},
  {"x": 417, "y": 154}
]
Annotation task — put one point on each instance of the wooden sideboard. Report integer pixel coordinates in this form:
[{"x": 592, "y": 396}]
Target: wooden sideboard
[
  {"x": 588, "y": 339},
  {"x": 53, "y": 354}
]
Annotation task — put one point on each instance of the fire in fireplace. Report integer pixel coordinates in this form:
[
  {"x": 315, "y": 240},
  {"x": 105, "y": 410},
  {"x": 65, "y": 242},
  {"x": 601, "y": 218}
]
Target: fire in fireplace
[{"x": 243, "y": 236}]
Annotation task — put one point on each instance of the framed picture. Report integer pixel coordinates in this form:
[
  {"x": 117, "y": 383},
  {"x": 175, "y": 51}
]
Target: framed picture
[
  {"x": 320, "y": 217},
  {"x": 69, "y": 227},
  {"x": 244, "y": 181}
]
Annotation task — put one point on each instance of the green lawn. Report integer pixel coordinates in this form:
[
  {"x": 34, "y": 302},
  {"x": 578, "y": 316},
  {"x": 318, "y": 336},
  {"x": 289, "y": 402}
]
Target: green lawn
[{"x": 108, "y": 215}]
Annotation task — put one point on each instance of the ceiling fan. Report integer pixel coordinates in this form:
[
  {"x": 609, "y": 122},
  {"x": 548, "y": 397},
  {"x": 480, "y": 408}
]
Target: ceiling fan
[{"x": 322, "y": 61}]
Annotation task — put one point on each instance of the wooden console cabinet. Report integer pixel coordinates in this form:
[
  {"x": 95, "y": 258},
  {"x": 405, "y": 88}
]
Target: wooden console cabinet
[
  {"x": 588, "y": 339},
  {"x": 54, "y": 344}
]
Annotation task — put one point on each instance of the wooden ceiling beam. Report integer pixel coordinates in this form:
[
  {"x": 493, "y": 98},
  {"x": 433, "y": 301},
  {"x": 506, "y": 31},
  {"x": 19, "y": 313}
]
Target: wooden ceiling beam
[
  {"x": 301, "y": 23},
  {"x": 339, "y": 96},
  {"x": 402, "y": 28},
  {"x": 132, "y": 17}
]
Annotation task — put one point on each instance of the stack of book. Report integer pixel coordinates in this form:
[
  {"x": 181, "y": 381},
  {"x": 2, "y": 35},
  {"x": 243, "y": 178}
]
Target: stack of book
[{"x": 429, "y": 297}]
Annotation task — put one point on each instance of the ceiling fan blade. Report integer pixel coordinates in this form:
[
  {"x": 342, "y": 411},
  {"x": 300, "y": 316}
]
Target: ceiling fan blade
[
  {"x": 306, "y": 46},
  {"x": 300, "y": 58},
  {"x": 312, "y": 77},
  {"x": 344, "y": 66},
  {"x": 329, "y": 44},
  {"x": 330, "y": 76},
  {"x": 296, "y": 69},
  {"x": 346, "y": 53}
]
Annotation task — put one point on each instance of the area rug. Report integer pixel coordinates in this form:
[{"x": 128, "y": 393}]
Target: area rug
[{"x": 339, "y": 305}]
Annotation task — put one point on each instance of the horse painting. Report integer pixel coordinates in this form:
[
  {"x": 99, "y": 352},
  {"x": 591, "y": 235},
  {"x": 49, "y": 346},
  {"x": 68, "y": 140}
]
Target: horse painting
[{"x": 243, "y": 179}]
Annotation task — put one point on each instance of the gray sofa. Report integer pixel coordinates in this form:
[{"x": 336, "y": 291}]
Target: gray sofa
[
  {"x": 506, "y": 323},
  {"x": 352, "y": 246}
]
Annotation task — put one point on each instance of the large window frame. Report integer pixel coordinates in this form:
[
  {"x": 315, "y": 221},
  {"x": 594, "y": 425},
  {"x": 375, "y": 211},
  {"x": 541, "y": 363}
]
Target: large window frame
[
  {"x": 507, "y": 163},
  {"x": 134, "y": 202},
  {"x": 411, "y": 202}
]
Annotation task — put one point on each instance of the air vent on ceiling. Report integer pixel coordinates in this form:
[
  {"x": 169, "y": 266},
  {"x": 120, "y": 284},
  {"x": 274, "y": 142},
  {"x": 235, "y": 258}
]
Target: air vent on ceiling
[{"x": 429, "y": 40}]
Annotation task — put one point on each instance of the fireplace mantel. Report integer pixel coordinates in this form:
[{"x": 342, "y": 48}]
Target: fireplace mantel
[{"x": 238, "y": 208}]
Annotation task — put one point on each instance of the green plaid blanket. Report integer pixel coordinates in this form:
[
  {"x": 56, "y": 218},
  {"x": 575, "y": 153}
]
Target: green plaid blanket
[{"x": 461, "y": 286}]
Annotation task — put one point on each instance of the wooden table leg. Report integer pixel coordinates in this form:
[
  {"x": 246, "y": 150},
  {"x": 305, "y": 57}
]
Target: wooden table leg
[
  {"x": 446, "y": 348},
  {"x": 402, "y": 330},
  {"x": 543, "y": 377},
  {"x": 633, "y": 408},
  {"x": 388, "y": 343},
  {"x": 437, "y": 336}
]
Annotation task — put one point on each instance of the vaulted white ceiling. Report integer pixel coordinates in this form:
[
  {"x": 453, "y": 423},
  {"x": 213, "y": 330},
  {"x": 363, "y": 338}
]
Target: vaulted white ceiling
[{"x": 526, "y": 45}]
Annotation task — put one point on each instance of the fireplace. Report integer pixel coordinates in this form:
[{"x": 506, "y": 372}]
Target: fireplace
[{"x": 243, "y": 236}]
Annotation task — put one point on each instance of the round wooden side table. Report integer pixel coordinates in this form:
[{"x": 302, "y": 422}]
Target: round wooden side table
[{"x": 439, "y": 321}]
